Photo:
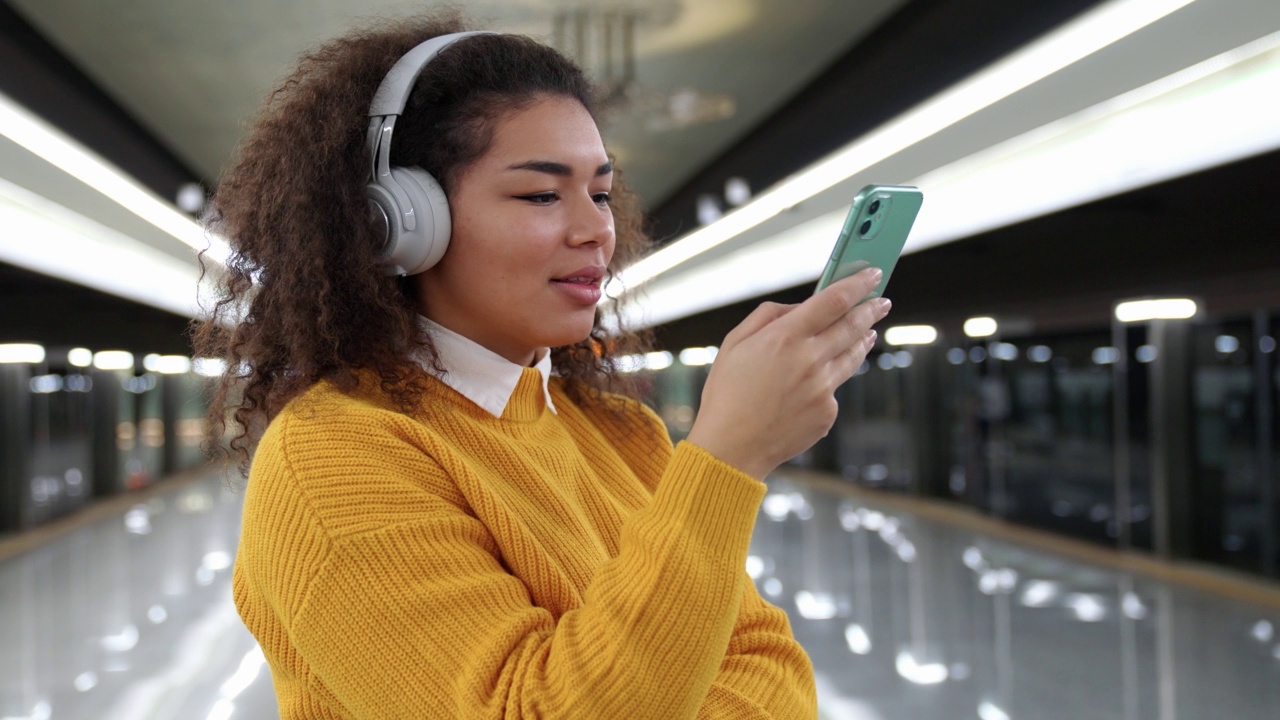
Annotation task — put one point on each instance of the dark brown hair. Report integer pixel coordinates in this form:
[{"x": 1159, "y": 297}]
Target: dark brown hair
[{"x": 304, "y": 297}]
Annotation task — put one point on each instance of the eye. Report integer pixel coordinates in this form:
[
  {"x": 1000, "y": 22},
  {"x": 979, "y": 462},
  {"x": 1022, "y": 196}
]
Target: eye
[
  {"x": 545, "y": 198},
  {"x": 601, "y": 198}
]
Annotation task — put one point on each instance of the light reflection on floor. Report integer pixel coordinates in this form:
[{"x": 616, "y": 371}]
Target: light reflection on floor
[
  {"x": 904, "y": 618},
  {"x": 132, "y": 619},
  {"x": 908, "y": 618}
]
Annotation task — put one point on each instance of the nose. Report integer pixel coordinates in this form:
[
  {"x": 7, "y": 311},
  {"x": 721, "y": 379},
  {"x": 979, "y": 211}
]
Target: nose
[{"x": 590, "y": 222}]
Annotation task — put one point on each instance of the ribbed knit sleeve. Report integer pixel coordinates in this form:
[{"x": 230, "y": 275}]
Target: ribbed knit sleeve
[{"x": 417, "y": 615}]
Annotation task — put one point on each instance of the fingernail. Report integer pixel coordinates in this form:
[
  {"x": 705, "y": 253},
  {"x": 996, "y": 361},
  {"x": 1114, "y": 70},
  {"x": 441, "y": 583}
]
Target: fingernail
[
  {"x": 873, "y": 337},
  {"x": 885, "y": 304},
  {"x": 876, "y": 274}
]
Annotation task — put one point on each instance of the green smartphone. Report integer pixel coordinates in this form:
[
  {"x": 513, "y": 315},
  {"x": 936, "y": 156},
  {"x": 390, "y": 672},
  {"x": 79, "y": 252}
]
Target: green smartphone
[{"x": 874, "y": 233}]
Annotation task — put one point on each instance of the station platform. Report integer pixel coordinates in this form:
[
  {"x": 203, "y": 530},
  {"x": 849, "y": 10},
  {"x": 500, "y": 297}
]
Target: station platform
[{"x": 908, "y": 608}]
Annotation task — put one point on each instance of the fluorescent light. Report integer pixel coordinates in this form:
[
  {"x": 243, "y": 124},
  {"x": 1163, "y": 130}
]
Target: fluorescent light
[
  {"x": 167, "y": 364},
  {"x": 660, "y": 360},
  {"x": 1039, "y": 353},
  {"x": 47, "y": 142},
  {"x": 80, "y": 357},
  {"x": 1106, "y": 356},
  {"x": 911, "y": 335},
  {"x": 1112, "y": 147},
  {"x": 45, "y": 384},
  {"x": 21, "y": 353},
  {"x": 46, "y": 237},
  {"x": 698, "y": 356},
  {"x": 1004, "y": 351},
  {"x": 1077, "y": 39},
  {"x": 209, "y": 367},
  {"x": 113, "y": 360},
  {"x": 653, "y": 361},
  {"x": 1144, "y": 136},
  {"x": 1157, "y": 309},
  {"x": 980, "y": 327}
]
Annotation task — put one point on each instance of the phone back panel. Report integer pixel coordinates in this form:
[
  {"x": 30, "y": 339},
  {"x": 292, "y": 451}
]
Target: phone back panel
[{"x": 874, "y": 233}]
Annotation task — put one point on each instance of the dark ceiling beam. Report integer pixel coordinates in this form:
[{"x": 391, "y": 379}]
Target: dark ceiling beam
[
  {"x": 37, "y": 75},
  {"x": 60, "y": 314},
  {"x": 923, "y": 48}
]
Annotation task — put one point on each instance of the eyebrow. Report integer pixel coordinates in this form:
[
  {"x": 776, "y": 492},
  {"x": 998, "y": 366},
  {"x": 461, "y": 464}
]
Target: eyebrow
[{"x": 554, "y": 168}]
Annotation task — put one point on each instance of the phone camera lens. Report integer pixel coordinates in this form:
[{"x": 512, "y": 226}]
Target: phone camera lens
[
  {"x": 865, "y": 228},
  {"x": 875, "y": 208}
]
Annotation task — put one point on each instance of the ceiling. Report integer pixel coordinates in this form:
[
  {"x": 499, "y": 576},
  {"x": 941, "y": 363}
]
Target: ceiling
[
  {"x": 706, "y": 71},
  {"x": 170, "y": 86}
]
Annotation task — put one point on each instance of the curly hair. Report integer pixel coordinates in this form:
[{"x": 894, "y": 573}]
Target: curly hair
[{"x": 304, "y": 297}]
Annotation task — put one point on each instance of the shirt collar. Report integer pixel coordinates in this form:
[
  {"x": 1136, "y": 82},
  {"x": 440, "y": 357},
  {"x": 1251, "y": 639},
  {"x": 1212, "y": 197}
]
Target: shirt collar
[{"x": 479, "y": 374}]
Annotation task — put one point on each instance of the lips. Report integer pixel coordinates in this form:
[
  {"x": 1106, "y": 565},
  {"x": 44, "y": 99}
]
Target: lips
[
  {"x": 582, "y": 286},
  {"x": 583, "y": 276}
]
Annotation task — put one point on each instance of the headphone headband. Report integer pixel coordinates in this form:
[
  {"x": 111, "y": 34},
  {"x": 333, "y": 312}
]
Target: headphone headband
[
  {"x": 393, "y": 93},
  {"x": 406, "y": 201}
]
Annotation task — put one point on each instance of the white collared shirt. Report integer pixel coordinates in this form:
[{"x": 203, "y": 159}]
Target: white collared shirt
[{"x": 479, "y": 374}]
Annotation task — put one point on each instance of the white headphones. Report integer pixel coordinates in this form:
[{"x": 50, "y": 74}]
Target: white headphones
[{"x": 407, "y": 200}]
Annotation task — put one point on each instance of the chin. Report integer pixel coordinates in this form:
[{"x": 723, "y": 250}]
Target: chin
[{"x": 571, "y": 334}]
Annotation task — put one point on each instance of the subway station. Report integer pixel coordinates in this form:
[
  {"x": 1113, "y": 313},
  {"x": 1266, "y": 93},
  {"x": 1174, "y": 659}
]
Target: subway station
[{"x": 1047, "y": 488}]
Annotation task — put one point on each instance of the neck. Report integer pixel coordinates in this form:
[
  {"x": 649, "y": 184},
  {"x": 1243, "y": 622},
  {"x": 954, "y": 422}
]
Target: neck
[{"x": 520, "y": 356}]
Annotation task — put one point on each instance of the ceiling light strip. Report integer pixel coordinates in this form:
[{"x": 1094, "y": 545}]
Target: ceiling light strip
[
  {"x": 1088, "y": 155},
  {"x": 1060, "y": 48},
  {"x": 47, "y": 238},
  {"x": 31, "y": 132}
]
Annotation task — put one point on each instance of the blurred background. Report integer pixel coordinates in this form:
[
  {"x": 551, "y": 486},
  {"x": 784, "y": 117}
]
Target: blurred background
[{"x": 1053, "y": 489}]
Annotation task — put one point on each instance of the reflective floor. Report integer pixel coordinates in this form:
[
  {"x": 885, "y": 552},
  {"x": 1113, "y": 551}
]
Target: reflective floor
[
  {"x": 907, "y": 618},
  {"x": 132, "y": 619},
  {"x": 904, "y": 618}
]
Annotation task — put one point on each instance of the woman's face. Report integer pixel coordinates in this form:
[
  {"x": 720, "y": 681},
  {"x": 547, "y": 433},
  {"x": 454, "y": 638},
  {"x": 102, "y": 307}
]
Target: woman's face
[{"x": 532, "y": 235}]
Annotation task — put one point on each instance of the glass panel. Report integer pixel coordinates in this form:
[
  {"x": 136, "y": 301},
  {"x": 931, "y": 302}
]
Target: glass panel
[
  {"x": 962, "y": 382},
  {"x": 1058, "y": 447},
  {"x": 1271, "y": 374},
  {"x": 1137, "y": 515},
  {"x": 1230, "y": 518},
  {"x": 191, "y": 425},
  {"x": 59, "y": 448},
  {"x": 676, "y": 389},
  {"x": 874, "y": 440}
]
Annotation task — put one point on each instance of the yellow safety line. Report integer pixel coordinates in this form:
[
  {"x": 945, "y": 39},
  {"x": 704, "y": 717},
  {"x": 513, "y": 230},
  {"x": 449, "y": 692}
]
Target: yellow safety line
[{"x": 15, "y": 544}]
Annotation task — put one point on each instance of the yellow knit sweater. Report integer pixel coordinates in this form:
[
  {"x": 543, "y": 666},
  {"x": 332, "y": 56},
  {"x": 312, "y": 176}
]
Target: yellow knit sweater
[{"x": 537, "y": 565}]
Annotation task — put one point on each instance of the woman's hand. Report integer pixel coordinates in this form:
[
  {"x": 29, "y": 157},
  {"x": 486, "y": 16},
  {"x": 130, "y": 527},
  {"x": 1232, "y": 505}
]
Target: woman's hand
[{"x": 771, "y": 391}]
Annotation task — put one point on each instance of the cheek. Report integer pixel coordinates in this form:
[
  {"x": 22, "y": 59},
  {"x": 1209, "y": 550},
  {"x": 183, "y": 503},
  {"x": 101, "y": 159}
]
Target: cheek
[{"x": 509, "y": 251}]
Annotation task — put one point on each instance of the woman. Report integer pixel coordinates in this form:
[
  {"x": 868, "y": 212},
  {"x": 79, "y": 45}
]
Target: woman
[{"x": 449, "y": 511}]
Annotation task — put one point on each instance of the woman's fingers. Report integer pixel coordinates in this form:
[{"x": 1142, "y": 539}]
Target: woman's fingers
[
  {"x": 851, "y": 357},
  {"x": 827, "y": 307},
  {"x": 850, "y": 330},
  {"x": 763, "y": 315},
  {"x": 770, "y": 392}
]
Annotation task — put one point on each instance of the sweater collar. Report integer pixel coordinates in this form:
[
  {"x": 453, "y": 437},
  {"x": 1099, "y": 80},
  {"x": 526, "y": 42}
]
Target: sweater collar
[{"x": 479, "y": 374}]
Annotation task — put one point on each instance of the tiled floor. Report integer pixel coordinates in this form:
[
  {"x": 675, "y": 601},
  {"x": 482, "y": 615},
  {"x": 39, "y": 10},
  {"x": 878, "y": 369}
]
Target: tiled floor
[{"x": 904, "y": 619}]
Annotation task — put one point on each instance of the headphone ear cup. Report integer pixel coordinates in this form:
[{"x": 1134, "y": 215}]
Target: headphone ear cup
[{"x": 415, "y": 198}]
